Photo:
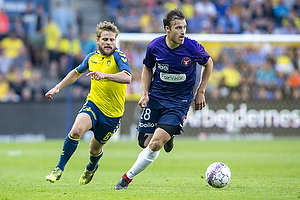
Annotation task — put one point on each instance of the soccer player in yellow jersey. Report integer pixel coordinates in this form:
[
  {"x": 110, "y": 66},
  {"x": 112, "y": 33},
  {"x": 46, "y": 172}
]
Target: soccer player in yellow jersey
[{"x": 110, "y": 72}]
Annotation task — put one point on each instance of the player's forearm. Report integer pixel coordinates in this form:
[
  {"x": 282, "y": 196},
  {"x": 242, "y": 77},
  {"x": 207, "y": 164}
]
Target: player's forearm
[
  {"x": 146, "y": 79},
  {"x": 208, "y": 67},
  {"x": 70, "y": 78},
  {"x": 121, "y": 77}
]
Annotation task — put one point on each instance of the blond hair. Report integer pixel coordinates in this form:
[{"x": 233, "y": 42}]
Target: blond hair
[{"x": 106, "y": 26}]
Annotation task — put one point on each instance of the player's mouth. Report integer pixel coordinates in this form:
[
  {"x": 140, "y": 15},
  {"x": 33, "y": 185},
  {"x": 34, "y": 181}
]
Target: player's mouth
[{"x": 181, "y": 37}]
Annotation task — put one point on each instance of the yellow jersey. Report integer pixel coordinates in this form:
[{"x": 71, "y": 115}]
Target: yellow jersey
[{"x": 108, "y": 96}]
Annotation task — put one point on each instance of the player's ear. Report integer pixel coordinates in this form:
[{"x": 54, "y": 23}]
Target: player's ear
[{"x": 167, "y": 28}]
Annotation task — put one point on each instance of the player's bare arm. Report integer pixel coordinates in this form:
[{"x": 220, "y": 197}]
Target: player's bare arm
[
  {"x": 120, "y": 77},
  {"x": 71, "y": 77},
  {"x": 146, "y": 79},
  {"x": 199, "y": 95}
]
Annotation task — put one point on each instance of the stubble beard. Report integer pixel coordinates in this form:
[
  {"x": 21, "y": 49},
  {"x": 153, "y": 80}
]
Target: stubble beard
[{"x": 106, "y": 53}]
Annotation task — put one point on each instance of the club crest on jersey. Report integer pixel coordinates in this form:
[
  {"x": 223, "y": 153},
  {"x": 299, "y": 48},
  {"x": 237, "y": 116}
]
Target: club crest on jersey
[
  {"x": 108, "y": 63},
  {"x": 186, "y": 61}
]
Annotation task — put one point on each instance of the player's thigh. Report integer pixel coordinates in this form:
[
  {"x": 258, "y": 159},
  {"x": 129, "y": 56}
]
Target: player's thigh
[{"x": 81, "y": 125}]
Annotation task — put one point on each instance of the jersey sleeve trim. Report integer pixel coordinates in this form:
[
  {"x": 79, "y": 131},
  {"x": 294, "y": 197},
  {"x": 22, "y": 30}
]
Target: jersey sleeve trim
[
  {"x": 85, "y": 64},
  {"x": 122, "y": 61},
  {"x": 77, "y": 71}
]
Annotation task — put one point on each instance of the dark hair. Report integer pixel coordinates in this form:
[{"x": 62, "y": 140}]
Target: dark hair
[
  {"x": 106, "y": 26},
  {"x": 172, "y": 15}
]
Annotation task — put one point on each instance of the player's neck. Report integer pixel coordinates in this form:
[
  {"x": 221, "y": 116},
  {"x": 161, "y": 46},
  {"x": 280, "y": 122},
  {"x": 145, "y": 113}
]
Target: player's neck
[{"x": 170, "y": 43}]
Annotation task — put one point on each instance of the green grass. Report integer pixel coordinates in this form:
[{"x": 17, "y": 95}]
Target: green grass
[{"x": 260, "y": 170}]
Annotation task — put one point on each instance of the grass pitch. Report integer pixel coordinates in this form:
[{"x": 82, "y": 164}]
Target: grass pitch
[{"x": 260, "y": 170}]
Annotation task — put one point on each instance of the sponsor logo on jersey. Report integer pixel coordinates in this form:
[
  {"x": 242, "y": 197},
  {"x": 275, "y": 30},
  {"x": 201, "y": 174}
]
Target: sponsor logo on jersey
[
  {"x": 147, "y": 125},
  {"x": 186, "y": 61},
  {"x": 174, "y": 78},
  {"x": 163, "y": 67}
]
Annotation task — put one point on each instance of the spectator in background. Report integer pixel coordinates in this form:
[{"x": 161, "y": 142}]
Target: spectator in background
[
  {"x": 87, "y": 45},
  {"x": 131, "y": 21},
  {"x": 260, "y": 19},
  {"x": 294, "y": 18},
  {"x": 4, "y": 86},
  {"x": 28, "y": 19},
  {"x": 146, "y": 20},
  {"x": 288, "y": 28},
  {"x": 280, "y": 11},
  {"x": 268, "y": 9},
  {"x": 11, "y": 96},
  {"x": 221, "y": 7},
  {"x": 5, "y": 62},
  {"x": 52, "y": 36},
  {"x": 232, "y": 78},
  {"x": 238, "y": 8},
  {"x": 4, "y": 23},
  {"x": 27, "y": 70},
  {"x": 294, "y": 80},
  {"x": 251, "y": 28},
  {"x": 171, "y": 4},
  {"x": 255, "y": 58},
  {"x": 18, "y": 28},
  {"x": 266, "y": 77},
  {"x": 112, "y": 8},
  {"x": 37, "y": 40},
  {"x": 26, "y": 94},
  {"x": 138, "y": 53},
  {"x": 22, "y": 58},
  {"x": 296, "y": 7},
  {"x": 297, "y": 57},
  {"x": 134, "y": 89},
  {"x": 214, "y": 82},
  {"x": 206, "y": 8},
  {"x": 16, "y": 79},
  {"x": 187, "y": 7},
  {"x": 70, "y": 52},
  {"x": 248, "y": 76},
  {"x": 62, "y": 17},
  {"x": 12, "y": 45},
  {"x": 36, "y": 85},
  {"x": 284, "y": 63},
  {"x": 40, "y": 19},
  {"x": 196, "y": 22},
  {"x": 230, "y": 23}
]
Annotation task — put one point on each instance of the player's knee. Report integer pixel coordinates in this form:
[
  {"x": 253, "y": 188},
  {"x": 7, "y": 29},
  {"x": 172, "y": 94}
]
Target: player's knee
[
  {"x": 76, "y": 132},
  {"x": 156, "y": 145},
  {"x": 141, "y": 139}
]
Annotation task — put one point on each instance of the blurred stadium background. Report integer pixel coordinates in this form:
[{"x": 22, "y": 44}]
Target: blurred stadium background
[{"x": 254, "y": 91}]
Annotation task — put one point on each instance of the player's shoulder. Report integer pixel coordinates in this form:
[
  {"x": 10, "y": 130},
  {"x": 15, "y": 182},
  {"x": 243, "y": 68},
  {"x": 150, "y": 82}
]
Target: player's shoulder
[
  {"x": 157, "y": 41},
  {"x": 93, "y": 53},
  {"x": 191, "y": 42},
  {"x": 192, "y": 45},
  {"x": 118, "y": 53}
]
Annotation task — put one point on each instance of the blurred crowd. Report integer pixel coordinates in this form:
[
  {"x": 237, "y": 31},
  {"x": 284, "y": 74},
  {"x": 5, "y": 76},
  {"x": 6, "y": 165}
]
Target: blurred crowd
[
  {"x": 37, "y": 47},
  {"x": 209, "y": 16}
]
